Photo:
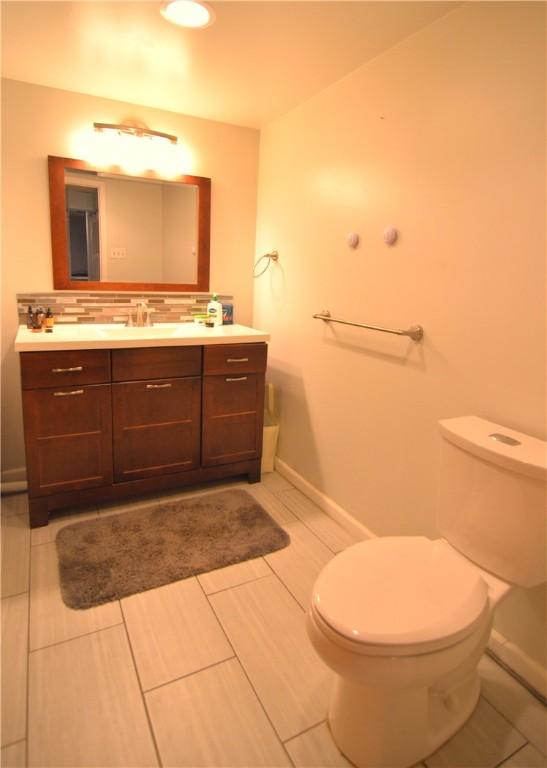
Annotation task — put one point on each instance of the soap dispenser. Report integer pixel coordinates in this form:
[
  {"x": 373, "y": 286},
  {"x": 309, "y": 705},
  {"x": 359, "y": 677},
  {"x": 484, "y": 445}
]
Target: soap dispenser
[{"x": 214, "y": 309}]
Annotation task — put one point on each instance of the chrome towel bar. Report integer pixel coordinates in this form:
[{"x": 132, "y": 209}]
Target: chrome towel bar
[{"x": 415, "y": 332}]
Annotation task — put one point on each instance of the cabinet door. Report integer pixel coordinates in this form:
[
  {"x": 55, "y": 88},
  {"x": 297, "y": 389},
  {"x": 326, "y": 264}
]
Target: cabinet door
[
  {"x": 68, "y": 436},
  {"x": 156, "y": 427},
  {"x": 232, "y": 418}
]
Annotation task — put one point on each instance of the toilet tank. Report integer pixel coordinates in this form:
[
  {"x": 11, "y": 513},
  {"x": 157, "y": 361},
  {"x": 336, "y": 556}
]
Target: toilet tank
[{"x": 492, "y": 498}]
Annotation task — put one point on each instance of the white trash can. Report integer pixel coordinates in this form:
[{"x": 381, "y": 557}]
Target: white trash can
[{"x": 271, "y": 431}]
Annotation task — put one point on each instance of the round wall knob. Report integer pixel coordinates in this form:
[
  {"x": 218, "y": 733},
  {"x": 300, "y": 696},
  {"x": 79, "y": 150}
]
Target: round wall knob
[
  {"x": 353, "y": 239},
  {"x": 390, "y": 235}
]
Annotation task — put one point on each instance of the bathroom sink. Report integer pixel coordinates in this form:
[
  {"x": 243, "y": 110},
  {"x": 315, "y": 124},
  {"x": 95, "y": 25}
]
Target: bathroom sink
[
  {"x": 118, "y": 336},
  {"x": 133, "y": 332}
]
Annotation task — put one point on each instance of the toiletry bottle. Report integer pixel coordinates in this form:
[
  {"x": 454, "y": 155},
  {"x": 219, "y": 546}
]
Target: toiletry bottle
[
  {"x": 30, "y": 318},
  {"x": 49, "y": 320},
  {"x": 38, "y": 319},
  {"x": 214, "y": 309}
]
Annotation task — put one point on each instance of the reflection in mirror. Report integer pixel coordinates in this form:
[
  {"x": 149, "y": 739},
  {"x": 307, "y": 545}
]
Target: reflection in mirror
[
  {"x": 126, "y": 229},
  {"x": 111, "y": 231}
]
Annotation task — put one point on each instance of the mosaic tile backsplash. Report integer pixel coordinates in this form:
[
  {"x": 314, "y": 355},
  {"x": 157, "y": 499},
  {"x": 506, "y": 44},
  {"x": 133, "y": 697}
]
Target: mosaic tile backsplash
[{"x": 114, "y": 307}]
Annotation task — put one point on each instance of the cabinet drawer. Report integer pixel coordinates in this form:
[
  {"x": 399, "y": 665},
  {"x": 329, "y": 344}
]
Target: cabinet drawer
[
  {"x": 231, "y": 395},
  {"x": 65, "y": 368},
  {"x": 155, "y": 363},
  {"x": 235, "y": 358}
]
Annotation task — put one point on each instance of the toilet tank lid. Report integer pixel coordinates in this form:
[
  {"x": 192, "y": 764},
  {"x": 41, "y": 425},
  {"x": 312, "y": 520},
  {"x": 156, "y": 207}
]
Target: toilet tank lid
[{"x": 497, "y": 444}]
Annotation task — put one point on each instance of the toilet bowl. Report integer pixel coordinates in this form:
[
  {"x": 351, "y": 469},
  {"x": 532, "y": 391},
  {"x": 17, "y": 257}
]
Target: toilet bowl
[
  {"x": 404, "y": 621},
  {"x": 404, "y": 645}
]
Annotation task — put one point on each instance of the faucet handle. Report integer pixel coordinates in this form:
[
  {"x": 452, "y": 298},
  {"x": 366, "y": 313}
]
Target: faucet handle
[
  {"x": 129, "y": 323},
  {"x": 148, "y": 322}
]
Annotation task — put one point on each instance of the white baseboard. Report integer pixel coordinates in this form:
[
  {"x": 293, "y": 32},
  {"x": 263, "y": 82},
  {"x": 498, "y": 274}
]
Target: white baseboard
[
  {"x": 14, "y": 475},
  {"x": 518, "y": 663},
  {"x": 324, "y": 502},
  {"x": 14, "y": 480},
  {"x": 513, "y": 658}
]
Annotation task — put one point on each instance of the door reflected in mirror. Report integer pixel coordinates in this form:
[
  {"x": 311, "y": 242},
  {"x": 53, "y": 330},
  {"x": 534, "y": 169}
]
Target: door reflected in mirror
[
  {"x": 111, "y": 231},
  {"x": 82, "y": 215}
]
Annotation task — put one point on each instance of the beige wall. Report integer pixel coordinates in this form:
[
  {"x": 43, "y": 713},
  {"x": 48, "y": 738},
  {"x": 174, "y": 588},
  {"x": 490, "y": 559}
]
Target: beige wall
[
  {"x": 37, "y": 122},
  {"x": 442, "y": 137}
]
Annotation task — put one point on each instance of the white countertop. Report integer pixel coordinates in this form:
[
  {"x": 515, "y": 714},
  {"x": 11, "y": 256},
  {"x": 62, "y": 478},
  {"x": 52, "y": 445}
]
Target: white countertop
[{"x": 116, "y": 336}]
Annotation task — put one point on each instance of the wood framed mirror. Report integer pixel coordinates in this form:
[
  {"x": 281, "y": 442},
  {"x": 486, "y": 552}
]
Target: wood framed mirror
[{"x": 111, "y": 231}]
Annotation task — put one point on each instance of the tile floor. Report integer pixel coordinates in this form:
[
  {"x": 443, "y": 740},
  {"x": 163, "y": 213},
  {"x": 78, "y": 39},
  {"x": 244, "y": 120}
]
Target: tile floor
[{"x": 211, "y": 671}]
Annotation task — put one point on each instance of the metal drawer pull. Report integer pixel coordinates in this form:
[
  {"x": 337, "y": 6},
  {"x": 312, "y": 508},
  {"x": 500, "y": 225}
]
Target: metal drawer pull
[
  {"x": 158, "y": 386},
  {"x": 68, "y": 370},
  {"x": 237, "y": 378},
  {"x": 237, "y": 360},
  {"x": 66, "y": 394}
]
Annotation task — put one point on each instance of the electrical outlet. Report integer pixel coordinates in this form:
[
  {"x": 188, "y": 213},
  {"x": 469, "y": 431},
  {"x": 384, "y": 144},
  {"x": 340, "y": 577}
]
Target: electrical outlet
[{"x": 118, "y": 253}]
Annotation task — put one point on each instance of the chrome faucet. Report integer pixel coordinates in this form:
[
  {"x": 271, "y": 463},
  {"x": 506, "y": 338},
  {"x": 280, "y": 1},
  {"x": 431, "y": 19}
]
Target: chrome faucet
[
  {"x": 140, "y": 320},
  {"x": 141, "y": 309},
  {"x": 142, "y": 317}
]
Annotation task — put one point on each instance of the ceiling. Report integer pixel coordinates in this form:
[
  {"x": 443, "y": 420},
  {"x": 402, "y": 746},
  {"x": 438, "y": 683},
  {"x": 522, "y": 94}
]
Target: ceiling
[{"x": 258, "y": 60}]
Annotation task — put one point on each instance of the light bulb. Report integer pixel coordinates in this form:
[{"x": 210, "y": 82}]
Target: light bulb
[{"x": 188, "y": 13}]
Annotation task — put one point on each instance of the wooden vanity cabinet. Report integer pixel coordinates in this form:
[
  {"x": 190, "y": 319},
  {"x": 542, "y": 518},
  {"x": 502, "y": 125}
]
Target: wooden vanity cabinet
[{"x": 133, "y": 421}]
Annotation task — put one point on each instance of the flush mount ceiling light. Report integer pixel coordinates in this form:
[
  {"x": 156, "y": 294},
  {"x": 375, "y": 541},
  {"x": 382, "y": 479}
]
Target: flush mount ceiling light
[{"x": 188, "y": 13}]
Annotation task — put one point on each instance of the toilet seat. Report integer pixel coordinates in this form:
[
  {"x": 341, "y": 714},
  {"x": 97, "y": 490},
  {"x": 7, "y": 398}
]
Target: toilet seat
[{"x": 399, "y": 596}]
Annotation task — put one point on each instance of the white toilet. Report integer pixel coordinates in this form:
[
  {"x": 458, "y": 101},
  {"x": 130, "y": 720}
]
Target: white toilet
[{"x": 403, "y": 621}]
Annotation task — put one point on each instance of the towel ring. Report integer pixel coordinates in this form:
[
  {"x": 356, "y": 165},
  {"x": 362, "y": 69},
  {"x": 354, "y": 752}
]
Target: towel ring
[{"x": 272, "y": 256}]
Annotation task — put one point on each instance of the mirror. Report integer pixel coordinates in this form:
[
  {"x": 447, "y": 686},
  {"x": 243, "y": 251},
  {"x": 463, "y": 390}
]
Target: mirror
[{"x": 115, "y": 232}]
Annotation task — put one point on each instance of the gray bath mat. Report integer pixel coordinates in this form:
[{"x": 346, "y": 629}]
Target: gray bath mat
[{"x": 119, "y": 555}]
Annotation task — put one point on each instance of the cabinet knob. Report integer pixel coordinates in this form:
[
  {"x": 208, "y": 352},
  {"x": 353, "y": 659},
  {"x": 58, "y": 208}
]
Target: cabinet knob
[
  {"x": 67, "y": 394},
  {"x": 158, "y": 386},
  {"x": 237, "y": 359},
  {"x": 236, "y": 378}
]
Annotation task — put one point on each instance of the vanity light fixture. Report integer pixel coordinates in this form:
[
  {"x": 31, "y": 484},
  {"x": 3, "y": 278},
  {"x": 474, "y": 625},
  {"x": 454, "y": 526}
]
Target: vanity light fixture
[
  {"x": 136, "y": 148},
  {"x": 188, "y": 13},
  {"x": 134, "y": 130}
]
